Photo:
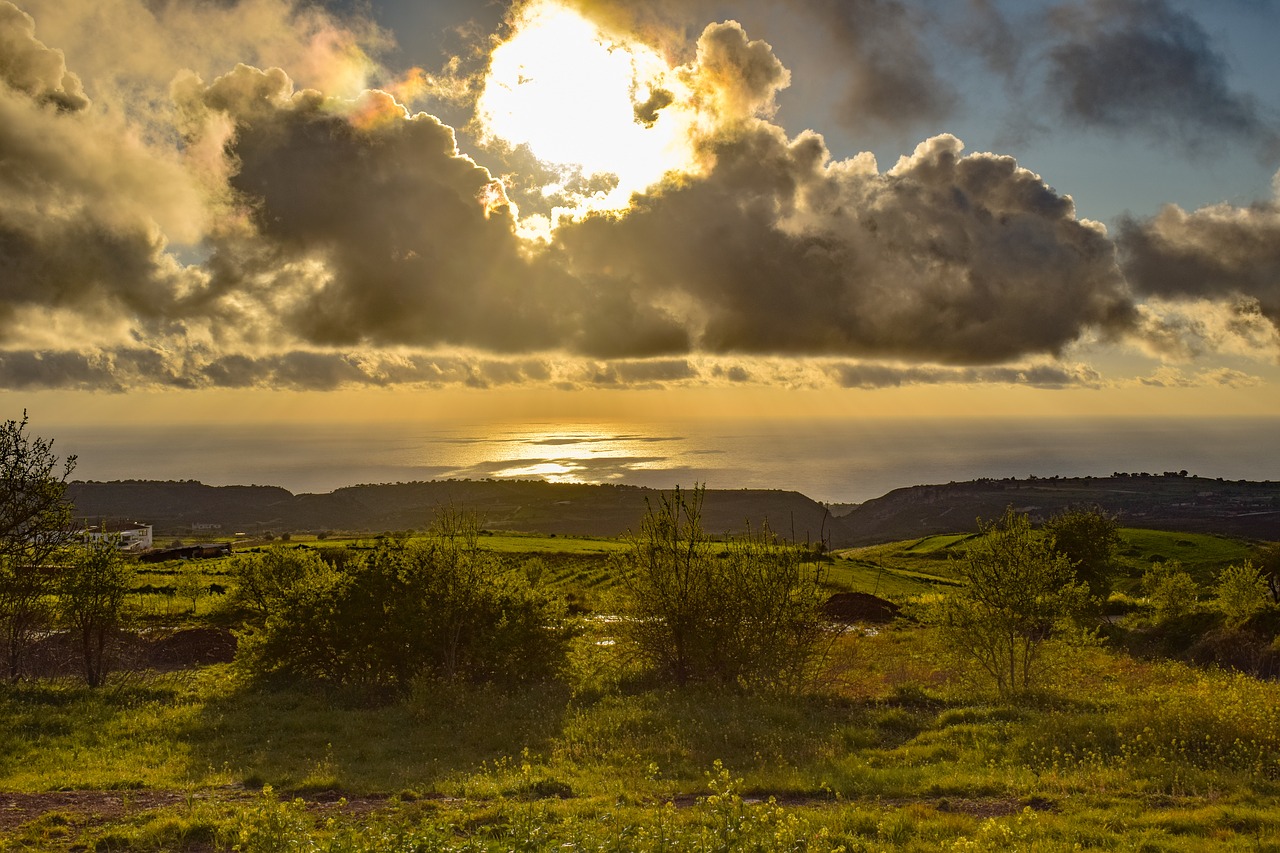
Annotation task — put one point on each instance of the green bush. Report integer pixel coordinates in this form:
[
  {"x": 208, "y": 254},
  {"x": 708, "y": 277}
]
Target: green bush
[
  {"x": 1171, "y": 590},
  {"x": 1241, "y": 592},
  {"x": 741, "y": 612},
  {"x": 438, "y": 608},
  {"x": 265, "y": 578},
  {"x": 1020, "y": 592}
]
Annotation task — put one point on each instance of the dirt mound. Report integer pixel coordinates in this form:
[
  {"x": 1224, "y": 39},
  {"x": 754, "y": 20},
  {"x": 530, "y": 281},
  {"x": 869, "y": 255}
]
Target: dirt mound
[
  {"x": 188, "y": 647},
  {"x": 58, "y": 654},
  {"x": 859, "y": 607}
]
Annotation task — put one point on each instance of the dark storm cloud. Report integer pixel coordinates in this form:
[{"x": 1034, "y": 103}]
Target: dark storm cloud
[
  {"x": 1217, "y": 252},
  {"x": 891, "y": 78},
  {"x": 946, "y": 257},
  {"x": 328, "y": 242},
  {"x": 1125, "y": 64},
  {"x": 414, "y": 241}
]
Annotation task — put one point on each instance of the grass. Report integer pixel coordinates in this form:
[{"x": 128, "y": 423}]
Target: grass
[
  {"x": 889, "y": 751},
  {"x": 1202, "y": 555},
  {"x": 918, "y": 565}
]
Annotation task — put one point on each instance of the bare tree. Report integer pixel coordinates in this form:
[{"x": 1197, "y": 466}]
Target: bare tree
[{"x": 35, "y": 527}]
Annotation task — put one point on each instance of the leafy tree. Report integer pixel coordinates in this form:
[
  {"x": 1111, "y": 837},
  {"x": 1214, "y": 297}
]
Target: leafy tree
[
  {"x": 1170, "y": 589},
  {"x": 1240, "y": 593},
  {"x": 1090, "y": 538},
  {"x": 264, "y": 578},
  {"x": 437, "y": 608},
  {"x": 1019, "y": 592},
  {"x": 743, "y": 612},
  {"x": 91, "y": 602},
  {"x": 35, "y": 526},
  {"x": 1269, "y": 565}
]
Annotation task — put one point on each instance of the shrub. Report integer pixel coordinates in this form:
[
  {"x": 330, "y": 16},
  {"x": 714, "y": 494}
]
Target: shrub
[
  {"x": 1269, "y": 566},
  {"x": 438, "y": 609},
  {"x": 1171, "y": 590},
  {"x": 742, "y": 612},
  {"x": 1241, "y": 592},
  {"x": 265, "y": 578},
  {"x": 1019, "y": 592}
]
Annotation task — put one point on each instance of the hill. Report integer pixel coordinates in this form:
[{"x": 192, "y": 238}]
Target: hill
[
  {"x": 179, "y": 508},
  {"x": 1160, "y": 502}
]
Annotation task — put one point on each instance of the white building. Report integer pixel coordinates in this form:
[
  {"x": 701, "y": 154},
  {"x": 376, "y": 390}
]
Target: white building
[{"x": 126, "y": 535}]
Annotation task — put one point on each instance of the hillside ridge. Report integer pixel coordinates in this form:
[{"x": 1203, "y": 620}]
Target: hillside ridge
[
  {"x": 1171, "y": 501},
  {"x": 1164, "y": 502},
  {"x": 534, "y": 506}
]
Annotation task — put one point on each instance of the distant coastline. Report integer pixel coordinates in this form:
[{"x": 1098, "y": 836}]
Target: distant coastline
[{"x": 827, "y": 460}]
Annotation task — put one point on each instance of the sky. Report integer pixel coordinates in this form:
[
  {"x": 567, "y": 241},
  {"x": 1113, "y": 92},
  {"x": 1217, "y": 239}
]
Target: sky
[{"x": 263, "y": 211}]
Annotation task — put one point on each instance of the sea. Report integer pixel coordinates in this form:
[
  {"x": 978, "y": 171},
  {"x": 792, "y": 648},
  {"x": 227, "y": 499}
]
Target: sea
[{"x": 835, "y": 461}]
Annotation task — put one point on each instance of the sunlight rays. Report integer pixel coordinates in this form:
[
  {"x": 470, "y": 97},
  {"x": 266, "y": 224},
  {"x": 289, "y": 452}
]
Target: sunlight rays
[{"x": 580, "y": 102}]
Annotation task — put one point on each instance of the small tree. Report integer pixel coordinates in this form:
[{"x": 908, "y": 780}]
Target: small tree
[
  {"x": 1170, "y": 589},
  {"x": 1269, "y": 565},
  {"x": 263, "y": 579},
  {"x": 91, "y": 602},
  {"x": 35, "y": 527},
  {"x": 1019, "y": 591},
  {"x": 743, "y": 612},
  {"x": 1090, "y": 538},
  {"x": 190, "y": 584},
  {"x": 1240, "y": 593}
]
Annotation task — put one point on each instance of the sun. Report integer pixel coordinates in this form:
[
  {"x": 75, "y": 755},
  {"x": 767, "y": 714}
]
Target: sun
[{"x": 580, "y": 100}]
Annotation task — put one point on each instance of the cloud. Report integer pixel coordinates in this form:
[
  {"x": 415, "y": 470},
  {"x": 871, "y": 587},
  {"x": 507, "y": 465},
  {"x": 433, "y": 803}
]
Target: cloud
[
  {"x": 891, "y": 79},
  {"x": 1220, "y": 252},
  {"x": 86, "y": 207},
  {"x": 872, "y": 375},
  {"x": 251, "y": 232},
  {"x": 1222, "y": 377},
  {"x": 29, "y": 67},
  {"x": 886, "y": 76},
  {"x": 1182, "y": 330},
  {"x": 379, "y": 231},
  {"x": 739, "y": 77},
  {"x": 649, "y": 373},
  {"x": 965, "y": 259},
  {"x": 131, "y": 49},
  {"x": 1126, "y": 64},
  {"x": 125, "y": 368}
]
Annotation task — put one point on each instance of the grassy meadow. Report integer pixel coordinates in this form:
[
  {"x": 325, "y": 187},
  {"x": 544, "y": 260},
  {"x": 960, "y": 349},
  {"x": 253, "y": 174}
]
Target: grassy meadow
[{"x": 892, "y": 748}]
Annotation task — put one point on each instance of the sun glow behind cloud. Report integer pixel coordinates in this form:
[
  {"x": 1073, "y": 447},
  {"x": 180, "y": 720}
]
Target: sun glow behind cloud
[{"x": 576, "y": 98}]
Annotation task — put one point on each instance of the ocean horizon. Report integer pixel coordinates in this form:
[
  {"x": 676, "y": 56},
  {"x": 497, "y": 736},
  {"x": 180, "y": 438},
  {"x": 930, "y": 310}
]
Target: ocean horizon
[{"x": 828, "y": 460}]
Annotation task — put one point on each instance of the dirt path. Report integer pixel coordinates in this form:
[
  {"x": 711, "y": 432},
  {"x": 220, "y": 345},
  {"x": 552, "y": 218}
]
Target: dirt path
[{"x": 88, "y": 808}]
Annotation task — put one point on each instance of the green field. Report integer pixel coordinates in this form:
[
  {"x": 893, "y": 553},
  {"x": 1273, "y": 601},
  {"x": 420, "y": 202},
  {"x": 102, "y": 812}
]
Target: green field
[
  {"x": 931, "y": 560},
  {"x": 892, "y": 747}
]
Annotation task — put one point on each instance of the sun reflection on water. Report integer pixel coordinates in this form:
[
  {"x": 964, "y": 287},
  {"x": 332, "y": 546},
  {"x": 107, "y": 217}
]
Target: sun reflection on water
[{"x": 590, "y": 453}]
